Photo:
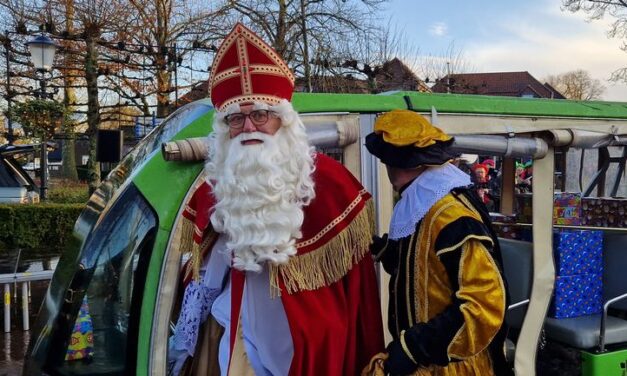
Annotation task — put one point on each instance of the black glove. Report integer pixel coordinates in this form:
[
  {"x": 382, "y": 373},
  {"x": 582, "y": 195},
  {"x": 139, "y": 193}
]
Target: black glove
[
  {"x": 378, "y": 244},
  {"x": 398, "y": 362}
]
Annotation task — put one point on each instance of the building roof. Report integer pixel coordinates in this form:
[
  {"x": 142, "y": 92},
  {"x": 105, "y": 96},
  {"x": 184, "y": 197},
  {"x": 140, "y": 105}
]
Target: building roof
[
  {"x": 395, "y": 75},
  {"x": 509, "y": 84},
  {"x": 198, "y": 91}
]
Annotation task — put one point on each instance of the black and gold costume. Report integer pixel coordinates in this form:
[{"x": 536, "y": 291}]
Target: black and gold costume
[{"x": 447, "y": 296}]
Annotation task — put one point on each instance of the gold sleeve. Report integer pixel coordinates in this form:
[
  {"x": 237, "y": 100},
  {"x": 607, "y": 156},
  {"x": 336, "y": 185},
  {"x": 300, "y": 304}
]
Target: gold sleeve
[{"x": 482, "y": 293}]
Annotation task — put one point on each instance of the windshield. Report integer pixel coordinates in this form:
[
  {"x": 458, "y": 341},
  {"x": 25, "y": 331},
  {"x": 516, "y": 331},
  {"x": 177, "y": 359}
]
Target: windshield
[
  {"x": 8, "y": 176},
  {"x": 98, "y": 296}
]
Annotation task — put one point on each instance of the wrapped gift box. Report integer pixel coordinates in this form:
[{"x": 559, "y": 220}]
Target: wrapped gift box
[
  {"x": 576, "y": 295},
  {"x": 578, "y": 252},
  {"x": 567, "y": 209},
  {"x": 603, "y": 212}
]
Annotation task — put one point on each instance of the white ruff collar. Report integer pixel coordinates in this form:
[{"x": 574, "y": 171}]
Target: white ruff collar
[{"x": 416, "y": 200}]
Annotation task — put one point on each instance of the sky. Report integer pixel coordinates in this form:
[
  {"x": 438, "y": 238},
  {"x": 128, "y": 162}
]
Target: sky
[{"x": 514, "y": 35}]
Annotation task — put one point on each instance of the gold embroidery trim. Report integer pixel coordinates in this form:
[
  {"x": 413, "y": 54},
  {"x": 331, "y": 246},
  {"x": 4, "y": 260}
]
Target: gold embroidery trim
[
  {"x": 425, "y": 245},
  {"x": 250, "y": 98},
  {"x": 459, "y": 244},
  {"x": 406, "y": 349},
  {"x": 333, "y": 223},
  {"x": 330, "y": 262},
  {"x": 190, "y": 210},
  {"x": 252, "y": 69},
  {"x": 408, "y": 299},
  {"x": 242, "y": 54}
]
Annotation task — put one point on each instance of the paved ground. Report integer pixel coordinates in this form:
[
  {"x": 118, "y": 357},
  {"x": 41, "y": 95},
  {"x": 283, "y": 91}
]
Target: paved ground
[{"x": 14, "y": 344}]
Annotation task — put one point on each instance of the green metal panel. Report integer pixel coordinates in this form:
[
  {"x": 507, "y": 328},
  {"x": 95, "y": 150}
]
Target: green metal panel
[
  {"x": 613, "y": 363},
  {"x": 457, "y": 103},
  {"x": 318, "y": 102},
  {"x": 460, "y": 103},
  {"x": 148, "y": 303}
]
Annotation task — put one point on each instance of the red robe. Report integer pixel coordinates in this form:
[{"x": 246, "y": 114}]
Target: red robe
[{"x": 329, "y": 289}]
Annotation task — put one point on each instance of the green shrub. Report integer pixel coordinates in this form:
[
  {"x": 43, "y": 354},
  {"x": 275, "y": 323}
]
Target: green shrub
[
  {"x": 45, "y": 227},
  {"x": 68, "y": 194}
]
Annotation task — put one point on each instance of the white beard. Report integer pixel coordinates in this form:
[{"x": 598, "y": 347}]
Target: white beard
[{"x": 260, "y": 190}]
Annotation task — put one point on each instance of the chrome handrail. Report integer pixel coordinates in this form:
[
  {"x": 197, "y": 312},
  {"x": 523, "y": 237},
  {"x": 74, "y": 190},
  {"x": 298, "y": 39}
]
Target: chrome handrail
[{"x": 604, "y": 318}]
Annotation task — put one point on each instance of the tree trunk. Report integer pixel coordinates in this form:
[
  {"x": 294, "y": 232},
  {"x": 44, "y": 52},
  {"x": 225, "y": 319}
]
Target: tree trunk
[
  {"x": 163, "y": 85},
  {"x": 93, "y": 112},
  {"x": 281, "y": 32},
  {"x": 306, "y": 65},
  {"x": 68, "y": 167}
]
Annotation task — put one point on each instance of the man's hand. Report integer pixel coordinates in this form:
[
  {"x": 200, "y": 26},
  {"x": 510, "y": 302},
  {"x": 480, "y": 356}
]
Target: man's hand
[
  {"x": 378, "y": 245},
  {"x": 398, "y": 362}
]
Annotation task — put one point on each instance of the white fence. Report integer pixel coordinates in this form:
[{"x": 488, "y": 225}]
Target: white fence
[{"x": 24, "y": 280}]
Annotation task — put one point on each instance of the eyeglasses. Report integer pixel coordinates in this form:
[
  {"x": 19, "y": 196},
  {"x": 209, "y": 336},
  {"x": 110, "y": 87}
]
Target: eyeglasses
[{"x": 257, "y": 117}]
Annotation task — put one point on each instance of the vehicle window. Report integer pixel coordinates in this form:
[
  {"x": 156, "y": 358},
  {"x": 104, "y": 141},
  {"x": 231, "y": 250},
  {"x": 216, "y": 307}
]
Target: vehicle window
[
  {"x": 101, "y": 331},
  {"x": 7, "y": 175}
]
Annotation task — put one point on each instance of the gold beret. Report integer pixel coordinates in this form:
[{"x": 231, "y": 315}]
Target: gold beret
[{"x": 404, "y": 128}]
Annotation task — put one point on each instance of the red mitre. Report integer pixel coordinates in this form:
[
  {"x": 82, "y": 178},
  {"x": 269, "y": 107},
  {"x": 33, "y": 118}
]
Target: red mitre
[{"x": 246, "y": 69}]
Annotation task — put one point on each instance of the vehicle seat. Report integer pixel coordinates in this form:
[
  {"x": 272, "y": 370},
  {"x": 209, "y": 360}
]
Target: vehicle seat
[
  {"x": 583, "y": 332},
  {"x": 518, "y": 271},
  {"x": 517, "y": 259}
]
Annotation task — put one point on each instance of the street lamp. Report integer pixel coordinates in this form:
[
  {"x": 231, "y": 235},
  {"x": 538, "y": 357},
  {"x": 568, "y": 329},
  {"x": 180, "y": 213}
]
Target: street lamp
[{"x": 42, "y": 50}]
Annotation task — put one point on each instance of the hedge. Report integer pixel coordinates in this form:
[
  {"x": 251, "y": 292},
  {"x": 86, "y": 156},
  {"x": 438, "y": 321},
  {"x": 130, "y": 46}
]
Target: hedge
[
  {"x": 43, "y": 228},
  {"x": 67, "y": 194}
]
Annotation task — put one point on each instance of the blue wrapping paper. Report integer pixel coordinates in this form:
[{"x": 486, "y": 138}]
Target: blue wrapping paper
[
  {"x": 577, "y": 295},
  {"x": 578, "y": 252}
]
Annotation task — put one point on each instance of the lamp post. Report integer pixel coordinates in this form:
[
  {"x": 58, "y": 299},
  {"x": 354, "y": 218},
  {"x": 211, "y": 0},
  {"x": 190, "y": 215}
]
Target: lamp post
[{"x": 42, "y": 50}]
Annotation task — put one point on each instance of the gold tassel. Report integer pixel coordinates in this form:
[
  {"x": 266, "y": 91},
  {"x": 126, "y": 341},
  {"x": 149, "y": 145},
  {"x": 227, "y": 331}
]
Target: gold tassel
[
  {"x": 275, "y": 289},
  {"x": 187, "y": 244},
  {"x": 330, "y": 262},
  {"x": 196, "y": 262},
  {"x": 187, "y": 235}
]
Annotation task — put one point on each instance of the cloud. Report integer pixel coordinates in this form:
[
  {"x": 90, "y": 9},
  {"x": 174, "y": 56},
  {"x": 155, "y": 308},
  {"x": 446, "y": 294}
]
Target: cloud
[
  {"x": 438, "y": 29},
  {"x": 548, "y": 48}
]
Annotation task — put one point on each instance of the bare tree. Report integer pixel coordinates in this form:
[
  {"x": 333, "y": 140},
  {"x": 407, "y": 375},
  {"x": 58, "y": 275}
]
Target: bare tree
[
  {"x": 114, "y": 54},
  {"x": 170, "y": 29},
  {"x": 597, "y": 9},
  {"x": 434, "y": 67},
  {"x": 309, "y": 32},
  {"x": 577, "y": 85},
  {"x": 91, "y": 22}
]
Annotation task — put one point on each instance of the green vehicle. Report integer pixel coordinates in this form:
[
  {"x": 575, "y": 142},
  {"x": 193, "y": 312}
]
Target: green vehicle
[{"x": 125, "y": 263}]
